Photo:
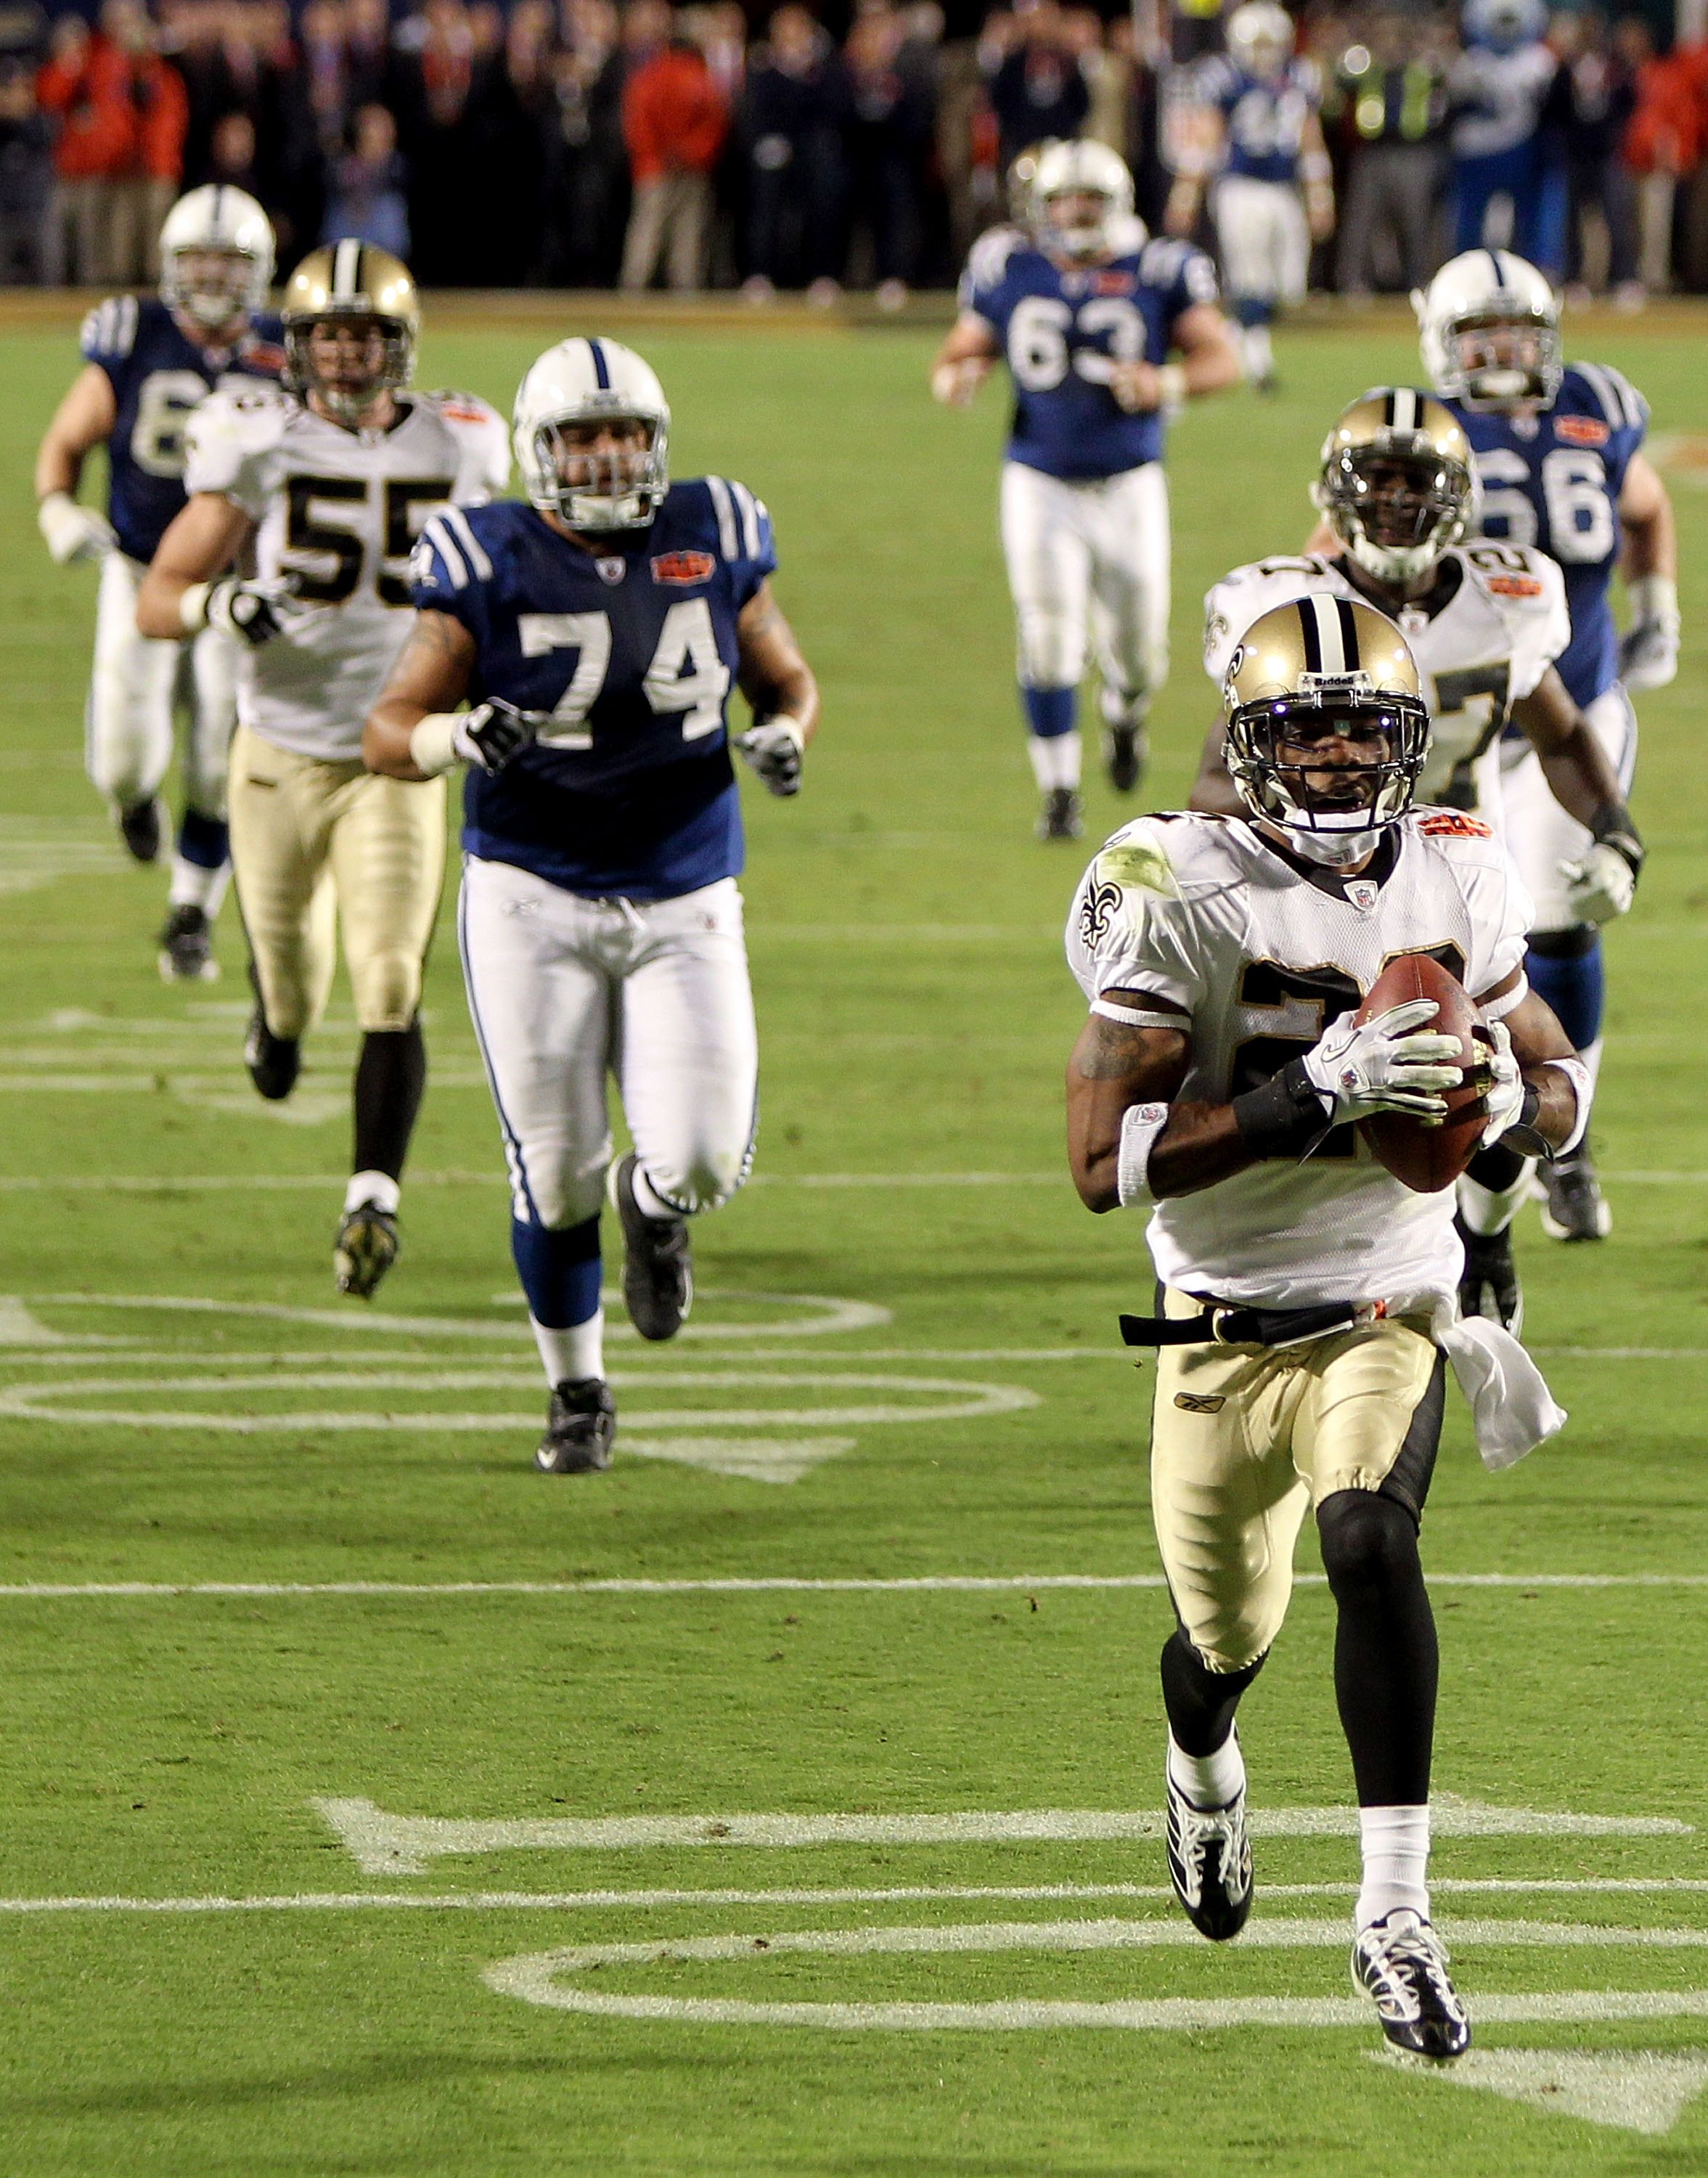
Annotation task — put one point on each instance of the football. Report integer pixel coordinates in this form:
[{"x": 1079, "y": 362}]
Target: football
[{"x": 1425, "y": 1158}]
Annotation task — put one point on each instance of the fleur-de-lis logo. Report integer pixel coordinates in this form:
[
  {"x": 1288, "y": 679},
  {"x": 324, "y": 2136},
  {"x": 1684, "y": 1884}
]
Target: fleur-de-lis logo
[{"x": 1097, "y": 910}]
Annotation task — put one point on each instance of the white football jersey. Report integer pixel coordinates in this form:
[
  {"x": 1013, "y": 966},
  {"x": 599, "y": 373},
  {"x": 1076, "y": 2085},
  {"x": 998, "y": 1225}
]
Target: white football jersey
[
  {"x": 1264, "y": 950},
  {"x": 339, "y": 511},
  {"x": 1501, "y": 622}
]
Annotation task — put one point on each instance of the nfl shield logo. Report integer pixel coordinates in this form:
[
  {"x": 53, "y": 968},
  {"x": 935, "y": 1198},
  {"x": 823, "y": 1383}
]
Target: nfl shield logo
[
  {"x": 611, "y": 570},
  {"x": 1361, "y": 892}
]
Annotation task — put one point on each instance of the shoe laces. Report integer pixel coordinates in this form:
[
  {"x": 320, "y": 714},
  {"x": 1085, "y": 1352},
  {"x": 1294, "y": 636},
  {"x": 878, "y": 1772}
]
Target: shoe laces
[
  {"x": 1195, "y": 1831},
  {"x": 1407, "y": 1960}
]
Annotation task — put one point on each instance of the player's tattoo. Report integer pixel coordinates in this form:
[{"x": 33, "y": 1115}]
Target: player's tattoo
[
  {"x": 1109, "y": 1051},
  {"x": 436, "y": 647}
]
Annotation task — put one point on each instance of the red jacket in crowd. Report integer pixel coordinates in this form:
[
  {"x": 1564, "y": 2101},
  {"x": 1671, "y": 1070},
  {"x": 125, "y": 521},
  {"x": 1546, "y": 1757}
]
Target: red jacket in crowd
[
  {"x": 674, "y": 118},
  {"x": 122, "y": 116}
]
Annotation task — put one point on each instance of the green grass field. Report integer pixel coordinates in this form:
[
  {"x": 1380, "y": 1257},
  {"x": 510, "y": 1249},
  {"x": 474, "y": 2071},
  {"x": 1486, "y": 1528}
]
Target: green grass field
[{"x": 314, "y": 1693}]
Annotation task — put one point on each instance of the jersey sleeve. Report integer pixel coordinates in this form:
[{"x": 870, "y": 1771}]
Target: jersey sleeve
[
  {"x": 1529, "y": 595},
  {"x": 483, "y": 447},
  {"x": 1182, "y": 273},
  {"x": 1501, "y": 911},
  {"x": 981, "y": 291},
  {"x": 449, "y": 570},
  {"x": 1128, "y": 928},
  {"x": 1244, "y": 596},
  {"x": 1215, "y": 82},
  {"x": 108, "y": 336},
  {"x": 745, "y": 541},
  {"x": 229, "y": 439},
  {"x": 1622, "y": 408}
]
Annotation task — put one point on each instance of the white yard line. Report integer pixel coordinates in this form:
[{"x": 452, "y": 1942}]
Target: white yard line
[{"x": 238, "y": 1183}]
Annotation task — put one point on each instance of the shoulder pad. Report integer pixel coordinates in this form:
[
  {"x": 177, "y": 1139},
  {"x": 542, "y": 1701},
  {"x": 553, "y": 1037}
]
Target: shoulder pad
[
  {"x": 111, "y": 327},
  {"x": 1607, "y": 394},
  {"x": 254, "y": 416},
  {"x": 742, "y": 519},
  {"x": 987, "y": 259},
  {"x": 461, "y": 407},
  {"x": 1515, "y": 576}
]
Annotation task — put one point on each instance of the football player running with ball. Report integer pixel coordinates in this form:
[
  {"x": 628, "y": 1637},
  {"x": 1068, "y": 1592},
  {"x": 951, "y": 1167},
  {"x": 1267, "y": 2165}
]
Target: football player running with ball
[
  {"x": 1086, "y": 313},
  {"x": 1484, "y": 620},
  {"x": 146, "y": 364},
  {"x": 596, "y": 633},
  {"x": 1308, "y": 1311},
  {"x": 1559, "y": 451},
  {"x": 328, "y": 486}
]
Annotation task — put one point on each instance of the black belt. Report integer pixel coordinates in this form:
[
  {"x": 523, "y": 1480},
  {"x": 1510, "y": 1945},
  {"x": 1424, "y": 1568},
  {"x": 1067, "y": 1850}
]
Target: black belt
[{"x": 1223, "y": 1323}]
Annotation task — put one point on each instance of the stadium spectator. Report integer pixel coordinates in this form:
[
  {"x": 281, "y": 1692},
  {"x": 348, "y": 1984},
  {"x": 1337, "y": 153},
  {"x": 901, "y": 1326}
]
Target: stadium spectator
[
  {"x": 367, "y": 202},
  {"x": 26, "y": 177},
  {"x": 1664, "y": 142},
  {"x": 513, "y": 119},
  {"x": 1602, "y": 95},
  {"x": 1039, "y": 88},
  {"x": 889, "y": 136},
  {"x": 1393, "y": 95},
  {"x": 123, "y": 112},
  {"x": 674, "y": 121},
  {"x": 795, "y": 118}
]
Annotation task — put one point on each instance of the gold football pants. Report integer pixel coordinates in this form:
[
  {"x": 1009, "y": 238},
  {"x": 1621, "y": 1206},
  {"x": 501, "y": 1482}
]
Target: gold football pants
[
  {"x": 1246, "y": 1438},
  {"x": 315, "y": 844}
]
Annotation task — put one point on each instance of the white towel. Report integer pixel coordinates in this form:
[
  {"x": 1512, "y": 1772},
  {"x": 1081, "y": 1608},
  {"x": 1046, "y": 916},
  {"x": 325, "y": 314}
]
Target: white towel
[{"x": 1512, "y": 1409}]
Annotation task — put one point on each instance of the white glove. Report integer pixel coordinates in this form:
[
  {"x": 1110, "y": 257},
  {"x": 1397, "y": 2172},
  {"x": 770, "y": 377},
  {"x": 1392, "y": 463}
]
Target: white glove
[
  {"x": 254, "y": 612},
  {"x": 773, "y": 750},
  {"x": 1600, "y": 885},
  {"x": 72, "y": 532},
  {"x": 1504, "y": 1097},
  {"x": 1649, "y": 649},
  {"x": 955, "y": 384},
  {"x": 1387, "y": 1064}
]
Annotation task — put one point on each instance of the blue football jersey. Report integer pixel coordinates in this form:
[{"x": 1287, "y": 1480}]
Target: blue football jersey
[
  {"x": 1263, "y": 118},
  {"x": 158, "y": 375},
  {"x": 1553, "y": 480},
  {"x": 1063, "y": 327},
  {"x": 633, "y": 651}
]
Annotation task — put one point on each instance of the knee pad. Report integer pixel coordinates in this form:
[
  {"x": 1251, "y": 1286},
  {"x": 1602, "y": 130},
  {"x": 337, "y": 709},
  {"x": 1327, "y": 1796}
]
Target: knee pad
[{"x": 1368, "y": 1541}]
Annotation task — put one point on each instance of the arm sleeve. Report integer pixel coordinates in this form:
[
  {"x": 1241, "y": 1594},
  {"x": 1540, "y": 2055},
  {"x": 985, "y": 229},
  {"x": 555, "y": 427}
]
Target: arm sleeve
[
  {"x": 108, "y": 336},
  {"x": 442, "y": 579},
  {"x": 1540, "y": 626},
  {"x": 1500, "y": 916},
  {"x": 980, "y": 289},
  {"x": 221, "y": 455},
  {"x": 744, "y": 536},
  {"x": 1129, "y": 929},
  {"x": 483, "y": 447}
]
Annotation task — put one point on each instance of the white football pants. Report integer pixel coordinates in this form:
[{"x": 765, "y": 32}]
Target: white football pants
[
  {"x": 1263, "y": 239},
  {"x": 1088, "y": 566},
  {"x": 1539, "y": 833},
  {"x": 564, "y": 991},
  {"x": 137, "y": 683}
]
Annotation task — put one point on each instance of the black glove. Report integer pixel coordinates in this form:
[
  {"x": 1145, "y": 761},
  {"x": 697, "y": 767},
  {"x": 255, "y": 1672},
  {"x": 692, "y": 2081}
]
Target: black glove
[
  {"x": 255, "y": 611},
  {"x": 494, "y": 733}
]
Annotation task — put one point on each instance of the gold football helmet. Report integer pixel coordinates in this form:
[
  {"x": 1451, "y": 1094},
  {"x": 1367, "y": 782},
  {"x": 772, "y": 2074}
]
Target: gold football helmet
[
  {"x": 1326, "y": 719},
  {"x": 1397, "y": 482},
  {"x": 353, "y": 288}
]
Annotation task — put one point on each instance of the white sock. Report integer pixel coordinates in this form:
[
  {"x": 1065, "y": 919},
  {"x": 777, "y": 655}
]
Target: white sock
[
  {"x": 378, "y": 1188},
  {"x": 1485, "y": 1211},
  {"x": 193, "y": 886},
  {"x": 1055, "y": 760},
  {"x": 571, "y": 1355},
  {"x": 1260, "y": 355},
  {"x": 1592, "y": 1056},
  {"x": 1208, "y": 1781},
  {"x": 1396, "y": 1862},
  {"x": 648, "y": 1199}
]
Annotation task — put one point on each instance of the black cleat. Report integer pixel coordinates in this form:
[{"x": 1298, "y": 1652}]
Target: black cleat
[
  {"x": 274, "y": 1061},
  {"x": 658, "y": 1268},
  {"x": 1489, "y": 1285},
  {"x": 142, "y": 827},
  {"x": 1059, "y": 818},
  {"x": 1210, "y": 1863},
  {"x": 1127, "y": 749},
  {"x": 1573, "y": 1208},
  {"x": 1401, "y": 1963},
  {"x": 579, "y": 1428},
  {"x": 366, "y": 1248},
  {"x": 186, "y": 948}
]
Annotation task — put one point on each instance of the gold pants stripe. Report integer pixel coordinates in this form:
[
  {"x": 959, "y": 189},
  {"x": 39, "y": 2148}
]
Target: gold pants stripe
[
  {"x": 1245, "y": 1439},
  {"x": 315, "y": 845}
]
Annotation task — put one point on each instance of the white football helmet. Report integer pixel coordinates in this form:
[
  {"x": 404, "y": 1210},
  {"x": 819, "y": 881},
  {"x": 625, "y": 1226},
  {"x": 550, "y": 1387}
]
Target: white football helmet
[
  {"x": 1504, "y": 25},
  {"x": 1260, "y": 37},
  {"x": 1491, "y": 293},
  {"x": 1081, "y": 169},
  {"x": 215, "y": 256},
  {"x": 583, "y": 382}
]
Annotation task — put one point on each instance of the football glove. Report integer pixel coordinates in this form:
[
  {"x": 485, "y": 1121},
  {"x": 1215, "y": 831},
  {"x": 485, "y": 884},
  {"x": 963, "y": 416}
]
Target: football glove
[
  {"x": 1649, "y": 649},
  {"x": 71, "y": 532},
  {"x": 1602, "y": 884},
  {"x": 494, "y": 733},
  {"x": 1503, "y": 1085},
  {"x": 773, "y": 749},
  {"x": 1391, "y": 1064},
  {"x": 254, "y": 612}
]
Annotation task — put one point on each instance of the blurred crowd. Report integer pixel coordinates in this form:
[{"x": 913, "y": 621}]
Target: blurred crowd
[{"x": 578, "y": 143}]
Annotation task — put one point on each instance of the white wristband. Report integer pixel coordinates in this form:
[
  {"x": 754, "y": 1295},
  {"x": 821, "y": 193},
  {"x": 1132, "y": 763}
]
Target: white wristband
[
  {"x": 1653, "y": 600},
  {"x": 1140, "y": 1125},
  {"x": 192, "y": 608},
  {"x": 432, "y": 743},
  {"x": 1171, "y": 386},
  {"x": 1583, "y": 1090},
  {"x": 1494, "y": 1010}
]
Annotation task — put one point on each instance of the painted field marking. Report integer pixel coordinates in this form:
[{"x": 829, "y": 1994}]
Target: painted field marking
[
  {"x": 383, "y": 1844},
  {"x": 772, "y": 1584},
  {"x": 560, "y": 1901},
  {"x": 238, "y": 1183},
  {"x": 1630, "y": 2090}
]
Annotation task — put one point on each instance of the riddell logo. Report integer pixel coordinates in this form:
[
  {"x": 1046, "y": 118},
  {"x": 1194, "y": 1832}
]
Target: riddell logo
[
  {"x": 1581, "y": 430},
  {"x": 682, "y": 566}
]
